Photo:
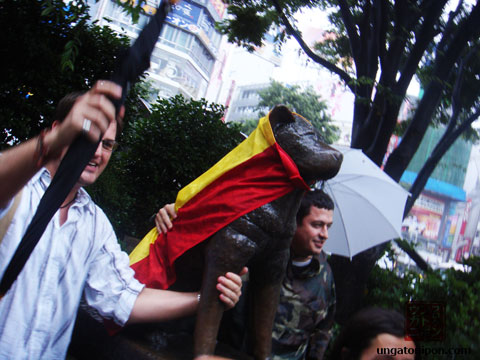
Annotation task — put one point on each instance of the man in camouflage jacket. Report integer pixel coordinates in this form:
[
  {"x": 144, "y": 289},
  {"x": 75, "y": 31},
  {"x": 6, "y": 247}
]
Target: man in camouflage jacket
[{"x": 307, "y": 301}]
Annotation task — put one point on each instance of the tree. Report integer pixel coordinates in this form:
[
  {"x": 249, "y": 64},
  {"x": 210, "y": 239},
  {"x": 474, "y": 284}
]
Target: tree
[
  {"x": 376, "y": 47},
  {"x": 247, "y": 125},
  {"x": 463, "y": 107},
  {"x": 305, "y": 102},
  {"x": 159, "y": 155},
  {"x": 49, "y": 49}
]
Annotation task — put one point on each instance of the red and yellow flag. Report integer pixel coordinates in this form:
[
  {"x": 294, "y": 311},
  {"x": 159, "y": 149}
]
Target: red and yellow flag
[{"x": 253, "y": 174}]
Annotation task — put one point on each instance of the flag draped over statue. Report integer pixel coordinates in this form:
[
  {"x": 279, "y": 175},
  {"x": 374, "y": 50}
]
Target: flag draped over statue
[{"x": 253, "y": 174}]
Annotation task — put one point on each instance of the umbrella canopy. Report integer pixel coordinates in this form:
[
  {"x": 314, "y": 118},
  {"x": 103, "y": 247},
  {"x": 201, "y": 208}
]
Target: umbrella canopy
[{"x": 368, "y": 205}]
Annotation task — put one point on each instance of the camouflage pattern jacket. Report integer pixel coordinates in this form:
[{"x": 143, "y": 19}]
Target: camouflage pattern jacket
[{"x": 305, "y": 313}]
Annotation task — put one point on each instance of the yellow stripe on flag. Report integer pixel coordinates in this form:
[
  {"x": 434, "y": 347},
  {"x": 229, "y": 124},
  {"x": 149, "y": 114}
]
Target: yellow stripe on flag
[
  {"x": 260, "y": 139},
  {"x": 142, "y": 249}
]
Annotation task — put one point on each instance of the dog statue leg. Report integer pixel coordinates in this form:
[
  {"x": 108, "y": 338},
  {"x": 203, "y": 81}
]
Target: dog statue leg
[
  {"x": 226, "y": 251},
  {"x": 266, "y": 286}
]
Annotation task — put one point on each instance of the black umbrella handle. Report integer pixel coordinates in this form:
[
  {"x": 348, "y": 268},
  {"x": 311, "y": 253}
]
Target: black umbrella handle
[
  {"x": 134, "y": 62},
  {"x": 136, "y": 59},
  {"x": 77, "y": 157}
]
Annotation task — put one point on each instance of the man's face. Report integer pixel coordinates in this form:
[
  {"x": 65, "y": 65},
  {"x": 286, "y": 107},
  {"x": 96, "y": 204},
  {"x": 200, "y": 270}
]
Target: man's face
[
  {"x": 100, "y": 160},
  {"x": 312, "y": 233}
]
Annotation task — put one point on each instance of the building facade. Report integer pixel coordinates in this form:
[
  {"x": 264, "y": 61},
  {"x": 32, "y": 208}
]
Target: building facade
[
  {"x": 184, "y": 56},
  {"x": 437, "y": 220},
  {"x": 245, "y": 102}
]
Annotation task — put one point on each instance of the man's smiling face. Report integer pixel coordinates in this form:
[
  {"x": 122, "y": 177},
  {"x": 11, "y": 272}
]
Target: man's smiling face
[
  {"x": 312, "y": 233},
  {"x": 99, "y": 160}
]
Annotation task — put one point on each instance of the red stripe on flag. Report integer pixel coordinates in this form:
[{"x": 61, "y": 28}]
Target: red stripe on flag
[{"x": 291, "y": 169}]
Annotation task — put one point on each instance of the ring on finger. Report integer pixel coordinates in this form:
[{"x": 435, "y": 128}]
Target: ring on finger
[{"x": 86, "y": 125}]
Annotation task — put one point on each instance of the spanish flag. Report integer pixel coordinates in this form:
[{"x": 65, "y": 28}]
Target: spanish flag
[{"x": 253, "y": 174}]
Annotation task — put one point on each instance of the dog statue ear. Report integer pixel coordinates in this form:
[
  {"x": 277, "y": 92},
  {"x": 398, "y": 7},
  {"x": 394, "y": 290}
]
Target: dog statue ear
[{"x": 280, "y": 114}]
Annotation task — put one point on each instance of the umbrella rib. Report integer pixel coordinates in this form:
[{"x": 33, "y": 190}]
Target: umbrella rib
[
  {"x": 361, "y": 171},
  {"x": 353, "y": 177},
  {"x": 374, "y": 208}
]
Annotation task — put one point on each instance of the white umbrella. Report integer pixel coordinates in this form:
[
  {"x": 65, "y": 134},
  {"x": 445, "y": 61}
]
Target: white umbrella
[{"x": 368, "y": 205}]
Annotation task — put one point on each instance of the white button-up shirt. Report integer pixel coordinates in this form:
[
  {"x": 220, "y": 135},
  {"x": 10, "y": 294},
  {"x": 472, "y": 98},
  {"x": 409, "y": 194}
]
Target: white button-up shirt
[{"x": 37, "y": 314}]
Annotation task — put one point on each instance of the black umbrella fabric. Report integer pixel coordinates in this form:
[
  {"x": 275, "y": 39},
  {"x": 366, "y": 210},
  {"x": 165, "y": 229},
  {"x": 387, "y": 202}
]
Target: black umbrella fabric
[{"x": 132, "y": 64}]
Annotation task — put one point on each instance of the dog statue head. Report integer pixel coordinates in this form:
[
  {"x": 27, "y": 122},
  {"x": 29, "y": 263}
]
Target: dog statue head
[{"x": 303, "y": 143}]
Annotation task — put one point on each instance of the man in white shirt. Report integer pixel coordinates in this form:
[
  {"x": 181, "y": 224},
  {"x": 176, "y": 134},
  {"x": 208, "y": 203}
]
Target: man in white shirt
[{"x": 78, "y": 253}]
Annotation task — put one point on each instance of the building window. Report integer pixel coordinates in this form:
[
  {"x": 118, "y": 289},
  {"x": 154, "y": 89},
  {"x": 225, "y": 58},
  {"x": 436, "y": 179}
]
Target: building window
[
  {"x": 202, "y": 56},
  {"x": 189, "y": 44},
  {"x": 250, "y": 94}
]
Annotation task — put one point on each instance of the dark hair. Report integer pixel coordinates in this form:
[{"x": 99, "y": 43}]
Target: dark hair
[
  {"x": 65, "y": 105},
  {"x": 317, "y": 198},
  {"x": 362, "y": 328}
]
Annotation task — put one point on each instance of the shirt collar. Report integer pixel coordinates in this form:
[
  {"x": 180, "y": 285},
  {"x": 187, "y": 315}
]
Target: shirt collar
[
  {"x": 310, "y": 270},
  {"x": 82, "y": 199}
]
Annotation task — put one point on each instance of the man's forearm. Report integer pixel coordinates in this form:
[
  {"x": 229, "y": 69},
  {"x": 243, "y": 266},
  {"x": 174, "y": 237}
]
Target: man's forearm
[{"x": 162, "y": 305}]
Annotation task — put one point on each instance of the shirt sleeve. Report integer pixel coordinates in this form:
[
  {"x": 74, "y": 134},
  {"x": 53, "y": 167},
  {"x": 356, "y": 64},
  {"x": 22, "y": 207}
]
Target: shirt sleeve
[
  {"x": 4, "y": 211},
  {"x": 321, "y": 335},
  {"x": 111, "y": 287}
]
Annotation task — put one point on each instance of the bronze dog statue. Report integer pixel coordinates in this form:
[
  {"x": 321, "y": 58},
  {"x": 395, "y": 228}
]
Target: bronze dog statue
[{"x": 261, "y": 239}]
